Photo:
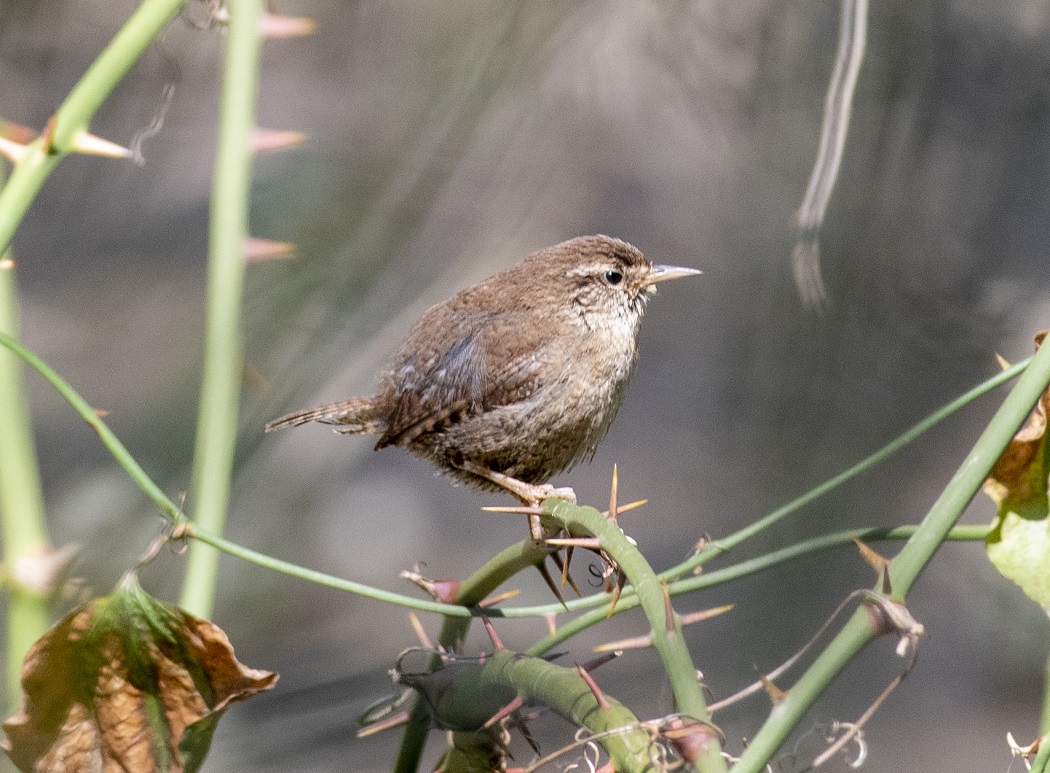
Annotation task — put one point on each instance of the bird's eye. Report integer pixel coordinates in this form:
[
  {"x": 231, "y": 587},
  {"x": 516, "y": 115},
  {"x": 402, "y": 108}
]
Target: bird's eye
[{"x": 613, "y": 277}]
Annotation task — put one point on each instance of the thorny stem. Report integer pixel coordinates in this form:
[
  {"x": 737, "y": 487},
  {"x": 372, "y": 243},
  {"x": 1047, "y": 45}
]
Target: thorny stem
[
  {"x": 221, "y": 382},
  {"x": 905, "y": 438},
  {"x": 75, "y": 114},
  {"x": 480, "y": 584},
  {"x": 906, "y": 567},
  {"x": 666, "y": 633},
  {"x": 719, "y": 577},
  {"x": 22, "y": 522}
]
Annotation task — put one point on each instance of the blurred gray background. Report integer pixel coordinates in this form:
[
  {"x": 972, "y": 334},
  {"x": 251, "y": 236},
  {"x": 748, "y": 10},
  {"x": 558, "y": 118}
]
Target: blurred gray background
[{"x": 446, "y": 140}]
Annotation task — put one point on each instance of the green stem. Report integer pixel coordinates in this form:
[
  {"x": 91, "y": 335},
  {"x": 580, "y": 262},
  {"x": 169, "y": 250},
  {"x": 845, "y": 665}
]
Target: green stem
[
  {"x": 22, "y": 522},
  {"x": 665, "y": 627},
  {"x": 87, "y": 413},
  {"x": 906, "y": 567},
  {"x": 75, "y": 114},
  {"x": 1041, "y": 763},
  {"x": 277, "y": 565},
  {"x": 1044, "y": 728},
  {"x": 468, "y": 692},
  {"x": 895, "y": 445},
  {"x": 472, "y": 591},
  {"x": 221, "y": 382},
  {"x": 678, "y": 587}
]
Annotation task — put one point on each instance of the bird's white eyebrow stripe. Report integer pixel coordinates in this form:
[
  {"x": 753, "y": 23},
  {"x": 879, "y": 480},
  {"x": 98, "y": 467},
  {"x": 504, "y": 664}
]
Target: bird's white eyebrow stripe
[{"x": 586, "y": 270}]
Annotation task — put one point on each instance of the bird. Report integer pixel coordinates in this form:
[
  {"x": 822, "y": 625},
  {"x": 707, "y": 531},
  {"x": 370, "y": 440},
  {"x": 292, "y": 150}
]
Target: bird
[{"x": 515, "y": 379}]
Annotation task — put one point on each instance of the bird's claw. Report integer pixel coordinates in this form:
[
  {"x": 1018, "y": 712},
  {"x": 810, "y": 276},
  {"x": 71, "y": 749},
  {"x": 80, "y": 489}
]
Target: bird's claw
[
  {"x": 547, "y": 491},
  {"x": 538, "y": 493}
]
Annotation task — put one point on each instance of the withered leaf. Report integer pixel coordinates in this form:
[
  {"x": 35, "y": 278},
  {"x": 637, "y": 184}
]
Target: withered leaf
[
  {"x": 1019, "y": 543},
  {"x": 126, "y": 682}
]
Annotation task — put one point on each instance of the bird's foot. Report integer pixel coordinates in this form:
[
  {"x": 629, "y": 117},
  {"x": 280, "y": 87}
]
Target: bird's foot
[
  {"x": 538, "y": 492},
  {"x": 529, "y": 494},
  {"x": 534, "y": 494}
]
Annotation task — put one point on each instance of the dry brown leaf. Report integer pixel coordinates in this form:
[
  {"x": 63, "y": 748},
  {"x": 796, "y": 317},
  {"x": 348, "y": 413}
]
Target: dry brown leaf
[
  {"x": 126, "y": 682},
  {"x": 1019, "y": 475}
]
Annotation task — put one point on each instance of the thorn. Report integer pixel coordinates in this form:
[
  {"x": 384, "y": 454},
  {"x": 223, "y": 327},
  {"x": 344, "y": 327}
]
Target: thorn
[
  {"x": 420, "y": 632},
  {"x": 632, "y": 643},
  {"x": 603, "y": 702},
  {"x": 101, "y": 412},
  {"x": 445, "y": 591},
  {"x": 878, "y": 562},
  {"x": 631, "y": 506},
  {"x": 514, "y": 509},
  {"x": 874, "y": 559},
  {"x": 621, "y": 580},
  {"x": 704, "y": 614},
  {"x": 613, "y": 490},
  {"x": 13, "y": 151},
  {"x": 522, "y": 728},
  {"x": 1002, "y": 361},
  {"x": 552, "y": 623},
  {"x": 499, "y": 598},
  {"x": 510, "y": 708},
  {"x": 668, "y": 611},
  {"x": 376, "y": 727},
  {"x": 600, "y": 661},
  {"x": 270, "y": 140},
  {"x": 776, "y": 695},
  {"x": 275, "y": 26},
  {"x": 491, "y": 631},
  {"x": 564, "y": 568},
  {"x": 39, "y": 572},
  {"x": 587, "y": 543},
  {"x": 16, "y": 132},
  {"x": 7, "y": 264},
  {"x": 90, "y": 145},
  {"x": 256, "y": 250},
  {"x": 542, "y": 567}
]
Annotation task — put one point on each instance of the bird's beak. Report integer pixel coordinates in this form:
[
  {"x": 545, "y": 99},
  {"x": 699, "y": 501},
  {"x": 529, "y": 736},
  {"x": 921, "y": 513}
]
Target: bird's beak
[{"x": 663, "y": 273}]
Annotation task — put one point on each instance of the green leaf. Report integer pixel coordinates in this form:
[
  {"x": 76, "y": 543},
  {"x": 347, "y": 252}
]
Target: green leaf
[{"x": 1019, "y": 542}]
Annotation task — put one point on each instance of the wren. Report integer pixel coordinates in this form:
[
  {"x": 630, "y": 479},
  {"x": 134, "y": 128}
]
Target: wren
[{"x": 518, "y": 378}]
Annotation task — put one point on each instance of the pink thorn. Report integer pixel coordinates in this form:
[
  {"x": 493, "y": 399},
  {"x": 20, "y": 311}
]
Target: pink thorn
[
  {"x": 13, "y": 151},
  {"x": 257, "y": 250},
  {"x": 277, "y": 27},
  {"x": 269, "y": 140},
  {"x": 91, "y": 145}
]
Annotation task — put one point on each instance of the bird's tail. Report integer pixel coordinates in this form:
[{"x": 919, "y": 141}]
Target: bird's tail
[{"x": 355, "y": 417}]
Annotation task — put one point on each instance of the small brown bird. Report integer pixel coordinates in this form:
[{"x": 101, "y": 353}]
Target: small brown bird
[{"x": 518, "y": 378}]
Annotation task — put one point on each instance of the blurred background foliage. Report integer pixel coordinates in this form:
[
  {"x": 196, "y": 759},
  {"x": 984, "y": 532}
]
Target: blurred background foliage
[{"x": 448, "y": 139}]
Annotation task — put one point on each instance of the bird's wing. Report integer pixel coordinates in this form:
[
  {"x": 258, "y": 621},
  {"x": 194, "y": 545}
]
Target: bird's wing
[{"x": 485, "y": 361}]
